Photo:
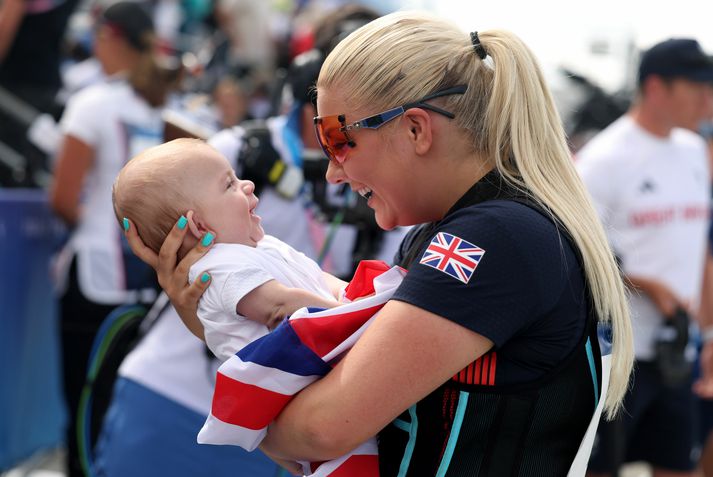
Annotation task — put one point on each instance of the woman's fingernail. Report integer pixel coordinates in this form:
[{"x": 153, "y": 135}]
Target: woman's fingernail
[
  {"x": 205, "y": 277},
  {"x": 126, "y": 224},
  {"x": 207, "y": 239},
  {"x": 182, "y": 222}
]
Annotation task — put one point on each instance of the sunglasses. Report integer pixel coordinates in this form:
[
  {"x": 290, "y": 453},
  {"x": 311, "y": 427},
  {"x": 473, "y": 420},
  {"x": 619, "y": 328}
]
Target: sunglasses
[{"x": 333, "y": 133}]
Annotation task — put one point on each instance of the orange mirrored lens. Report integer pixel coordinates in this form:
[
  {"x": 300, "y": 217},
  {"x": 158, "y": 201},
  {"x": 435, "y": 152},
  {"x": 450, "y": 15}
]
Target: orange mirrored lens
[{"x": 331, "y": 138}]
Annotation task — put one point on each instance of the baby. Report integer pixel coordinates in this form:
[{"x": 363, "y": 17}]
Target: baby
[{"x": 257, "y": 280}]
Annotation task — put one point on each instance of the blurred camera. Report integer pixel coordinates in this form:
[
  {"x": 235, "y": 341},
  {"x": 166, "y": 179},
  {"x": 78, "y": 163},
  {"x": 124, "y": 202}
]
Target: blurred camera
[{"x": 670, "y": 346}]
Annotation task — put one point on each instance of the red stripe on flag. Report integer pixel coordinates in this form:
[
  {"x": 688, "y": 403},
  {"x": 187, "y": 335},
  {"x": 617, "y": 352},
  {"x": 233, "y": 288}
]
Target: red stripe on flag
[
  {"x": 313, "y": 466},
  {"x": 323, "y": 334},
  {"x": 362, "y": 283},
  {"x": 232, "y": 398},
  {"x": 358, "y": 466}
]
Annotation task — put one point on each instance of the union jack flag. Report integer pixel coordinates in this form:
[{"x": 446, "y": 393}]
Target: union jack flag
[
  {"x": 254, "y": 385},
  {"x": 452, "y": 255}
]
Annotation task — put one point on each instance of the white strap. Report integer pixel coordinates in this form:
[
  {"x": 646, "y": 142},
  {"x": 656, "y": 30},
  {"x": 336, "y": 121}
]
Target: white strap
[{"x": 579, "y": 466}]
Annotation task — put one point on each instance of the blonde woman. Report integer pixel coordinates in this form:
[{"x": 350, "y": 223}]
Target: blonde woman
[{"x": 486, "y": 360}]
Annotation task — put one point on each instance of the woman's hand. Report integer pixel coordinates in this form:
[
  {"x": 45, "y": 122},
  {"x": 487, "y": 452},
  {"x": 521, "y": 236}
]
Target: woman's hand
[{"x": 172, "y": 276}]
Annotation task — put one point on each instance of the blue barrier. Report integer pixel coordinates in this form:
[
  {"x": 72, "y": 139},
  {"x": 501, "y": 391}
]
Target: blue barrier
[{"x": 32, "y": 412}]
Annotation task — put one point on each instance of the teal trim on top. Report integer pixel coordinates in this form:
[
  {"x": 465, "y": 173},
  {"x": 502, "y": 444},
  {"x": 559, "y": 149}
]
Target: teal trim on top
[
  {"x": 411, "y": 444},
  {"x": 455, "y": 432},
  {"x": 401, "y": 424},
  {"x": 593, "y": 371}
]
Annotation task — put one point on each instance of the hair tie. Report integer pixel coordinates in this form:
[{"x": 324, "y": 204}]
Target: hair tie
[{"x": 477, "y": 46}]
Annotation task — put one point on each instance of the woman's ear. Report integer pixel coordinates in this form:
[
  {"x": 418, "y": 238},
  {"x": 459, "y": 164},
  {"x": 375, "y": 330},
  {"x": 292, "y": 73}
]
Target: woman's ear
[
  {"x": 195, "y": 225},
  {"x": 419, "y": 126}
]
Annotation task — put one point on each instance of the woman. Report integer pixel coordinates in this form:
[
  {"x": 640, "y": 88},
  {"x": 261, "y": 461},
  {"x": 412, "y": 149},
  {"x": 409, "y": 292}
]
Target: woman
[
  {"x": 486, "y": 360},
  {"x": 103, "y": 126}
]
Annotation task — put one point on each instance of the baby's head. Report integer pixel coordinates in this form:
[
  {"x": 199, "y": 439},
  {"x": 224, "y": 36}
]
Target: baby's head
[{"x": 186, "y": 177}]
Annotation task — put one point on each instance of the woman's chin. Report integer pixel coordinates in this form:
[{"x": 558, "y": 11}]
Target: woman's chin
[{"x": 385, "y": 221}]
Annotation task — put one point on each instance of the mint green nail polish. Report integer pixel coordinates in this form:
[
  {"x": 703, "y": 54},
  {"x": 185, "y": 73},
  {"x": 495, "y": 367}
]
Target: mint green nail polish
[
  {"x": 182, "y": 222},
  {"x": 208, "y": 239},
  {"x": 205, "y": 277},
  {"x": 126, "y": 224}
]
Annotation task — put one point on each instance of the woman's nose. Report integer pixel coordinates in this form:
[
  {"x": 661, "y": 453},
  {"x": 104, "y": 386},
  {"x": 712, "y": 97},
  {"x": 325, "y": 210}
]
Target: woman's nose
[{"x": 335, "y": 173}]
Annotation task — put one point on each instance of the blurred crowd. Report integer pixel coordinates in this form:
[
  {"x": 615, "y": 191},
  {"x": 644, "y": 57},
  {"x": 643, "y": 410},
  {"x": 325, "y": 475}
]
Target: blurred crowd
[
  {"x": 234, "y": 72},
  {"x": 232, "y": 57}
]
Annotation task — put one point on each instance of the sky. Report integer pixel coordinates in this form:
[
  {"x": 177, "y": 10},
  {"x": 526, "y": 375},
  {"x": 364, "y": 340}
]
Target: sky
[{"x": 599, "y": 39}]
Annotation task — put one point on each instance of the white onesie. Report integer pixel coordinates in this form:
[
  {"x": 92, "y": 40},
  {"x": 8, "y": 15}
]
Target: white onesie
[{"x": 235, "y": 271}]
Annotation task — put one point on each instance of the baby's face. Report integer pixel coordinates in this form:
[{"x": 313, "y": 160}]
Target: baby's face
[{"x": 227, "y": 204}]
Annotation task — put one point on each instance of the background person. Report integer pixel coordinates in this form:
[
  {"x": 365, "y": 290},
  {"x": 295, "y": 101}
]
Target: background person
[
  {"x": 103, "y": 126},
  {"x": 485, "y": 327},
  {"x": 649, "y": 179},
  {"x": 31, "y": 34},
  {"x": 160, "y": 401},
  {"x": 704, "y": 388}
]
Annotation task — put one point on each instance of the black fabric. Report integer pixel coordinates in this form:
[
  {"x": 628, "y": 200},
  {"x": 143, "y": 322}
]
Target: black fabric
[
  {"x": 256, "y": 155},
  {"x": 533, "y": 428},
  {"x": 512, "y": 421},
  {"x": 531, "y": 431},
  {"x": 526, "y": 294},
  {"x": 659, "y": 425}
]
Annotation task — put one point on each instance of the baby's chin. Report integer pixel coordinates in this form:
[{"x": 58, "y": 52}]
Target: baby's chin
[{"x": 259, "y": 235}]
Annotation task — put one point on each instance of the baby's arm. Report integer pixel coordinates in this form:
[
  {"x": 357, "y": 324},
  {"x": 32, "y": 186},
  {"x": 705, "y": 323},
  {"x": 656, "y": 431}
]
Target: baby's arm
[
  {"x": 272, "y": 301},
  {"x": 335, "y": 284}
]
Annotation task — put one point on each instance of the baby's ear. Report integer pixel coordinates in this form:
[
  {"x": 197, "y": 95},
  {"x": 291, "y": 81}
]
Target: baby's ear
[{"x": 195, "y": 224}]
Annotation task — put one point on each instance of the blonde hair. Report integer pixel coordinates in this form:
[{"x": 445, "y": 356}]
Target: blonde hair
[
  {"x": 150, "y": 188},
  {"x": 510, "y": 117}
]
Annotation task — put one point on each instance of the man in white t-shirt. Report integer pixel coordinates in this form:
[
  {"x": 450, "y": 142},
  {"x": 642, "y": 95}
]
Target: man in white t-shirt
[{"x": 648, "y": 177}]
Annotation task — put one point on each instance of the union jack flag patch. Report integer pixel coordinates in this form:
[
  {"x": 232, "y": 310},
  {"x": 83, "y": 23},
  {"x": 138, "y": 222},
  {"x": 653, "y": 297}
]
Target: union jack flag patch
[{"x": 453, "y": 256}]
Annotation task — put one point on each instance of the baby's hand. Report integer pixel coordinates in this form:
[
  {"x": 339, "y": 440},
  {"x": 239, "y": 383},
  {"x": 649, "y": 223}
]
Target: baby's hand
[{"x": 275, "y": 322}]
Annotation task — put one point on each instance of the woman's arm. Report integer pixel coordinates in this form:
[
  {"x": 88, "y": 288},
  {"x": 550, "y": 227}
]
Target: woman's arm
[
  {"x": 272, "y": 301},
  {"x": 74, "y": 161},
  {"x": 405, "y": 354}
]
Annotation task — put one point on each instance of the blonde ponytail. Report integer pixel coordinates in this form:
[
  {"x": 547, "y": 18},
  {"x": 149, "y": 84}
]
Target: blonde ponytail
[{"x": 528, "y": 145}]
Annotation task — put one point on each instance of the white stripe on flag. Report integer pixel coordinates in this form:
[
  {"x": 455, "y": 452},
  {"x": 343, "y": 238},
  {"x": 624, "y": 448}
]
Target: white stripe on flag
[
  {"x": 217, "y": 432},
  {"x": 272, "y": 379}
]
